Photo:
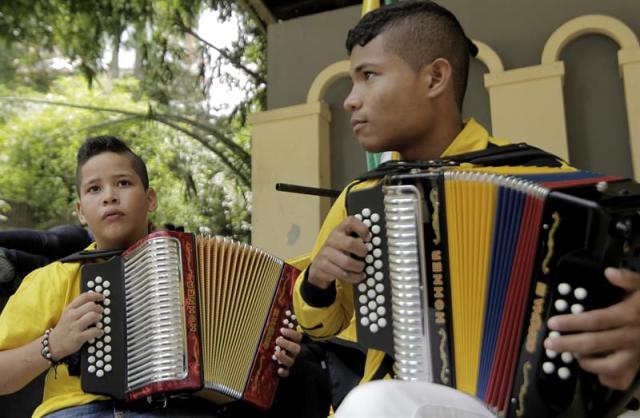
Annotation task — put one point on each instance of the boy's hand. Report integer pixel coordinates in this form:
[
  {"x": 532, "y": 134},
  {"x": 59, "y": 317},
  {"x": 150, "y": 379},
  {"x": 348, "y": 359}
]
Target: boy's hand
[
  {"x": 77, "y": 325},
  {"x": 335, "y": 260},
  {"x": 607, "y": 341},
  {"x": 290, "y": 348}
]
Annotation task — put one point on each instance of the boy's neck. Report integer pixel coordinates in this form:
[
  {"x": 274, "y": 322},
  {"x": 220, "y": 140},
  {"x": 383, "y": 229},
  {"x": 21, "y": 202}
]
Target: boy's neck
[{"x": 436, "y": 141}]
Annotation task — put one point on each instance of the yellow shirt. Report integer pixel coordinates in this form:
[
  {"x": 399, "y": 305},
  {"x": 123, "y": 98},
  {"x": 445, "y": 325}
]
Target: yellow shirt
[
  {"x": 338, "y": 319},
  {"x": 37, "y": 305}
]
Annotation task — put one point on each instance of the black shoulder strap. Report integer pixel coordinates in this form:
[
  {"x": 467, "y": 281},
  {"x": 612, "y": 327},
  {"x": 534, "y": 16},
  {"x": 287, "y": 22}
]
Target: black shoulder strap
[
  {"x": 386, "y": 367},
  {"x": 85, "y": 255},
  {"x": 494, "y": 155}
]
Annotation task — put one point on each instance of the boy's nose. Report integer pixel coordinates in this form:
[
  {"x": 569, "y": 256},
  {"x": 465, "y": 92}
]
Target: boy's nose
[
  {"x": 110, "y": 197},
  {"x": 352, "y": 102}
]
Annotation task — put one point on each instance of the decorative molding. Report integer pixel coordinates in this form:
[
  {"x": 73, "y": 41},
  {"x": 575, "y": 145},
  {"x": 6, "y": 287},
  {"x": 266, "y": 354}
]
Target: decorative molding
[{"x": 325, "y": 78}]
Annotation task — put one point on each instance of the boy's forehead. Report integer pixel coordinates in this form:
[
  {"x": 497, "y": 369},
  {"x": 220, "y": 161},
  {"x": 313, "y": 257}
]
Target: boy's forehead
[
  {"x": 106, "y": 164},
  {"x": 374, "y": 52}
]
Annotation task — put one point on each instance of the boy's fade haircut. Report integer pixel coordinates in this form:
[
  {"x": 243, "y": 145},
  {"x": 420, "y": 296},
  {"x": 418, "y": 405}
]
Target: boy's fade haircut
[
  {"x": 419, "y": 32},
  {"x": 99, "y": 144}
]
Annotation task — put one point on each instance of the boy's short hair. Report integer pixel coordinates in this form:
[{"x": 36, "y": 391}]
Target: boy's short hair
[
  {"x": 419, "y": 32},
  {"x": 99, "y": 144}
]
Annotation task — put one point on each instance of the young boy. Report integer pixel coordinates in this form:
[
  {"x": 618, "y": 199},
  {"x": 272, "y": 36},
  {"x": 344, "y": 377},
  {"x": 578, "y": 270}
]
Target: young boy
[
  {"x": 48, "y": 319},
  {"x": 409, "y": 65}
]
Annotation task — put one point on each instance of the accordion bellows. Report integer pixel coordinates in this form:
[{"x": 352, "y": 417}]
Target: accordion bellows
[{"x": 188, "y": 314}]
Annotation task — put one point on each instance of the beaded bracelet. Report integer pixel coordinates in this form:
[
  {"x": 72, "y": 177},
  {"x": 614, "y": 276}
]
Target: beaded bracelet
[{"x": 47, "y": 354}]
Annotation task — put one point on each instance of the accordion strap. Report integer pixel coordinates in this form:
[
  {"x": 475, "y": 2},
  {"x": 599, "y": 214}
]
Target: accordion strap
[
  {"x": 495, "y": 155},
  {"x": 85, "y": 255}
]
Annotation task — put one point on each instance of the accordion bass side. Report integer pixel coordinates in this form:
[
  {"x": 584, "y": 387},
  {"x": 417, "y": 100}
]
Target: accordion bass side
[
  {"x": 473, "y": 263},
  {"x": 187, "y": 313}
]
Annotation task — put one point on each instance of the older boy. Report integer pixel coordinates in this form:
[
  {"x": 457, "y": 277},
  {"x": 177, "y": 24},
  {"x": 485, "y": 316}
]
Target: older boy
[
  {"x": 409, "y": 65},
  {"x": 48, "y": 319}
]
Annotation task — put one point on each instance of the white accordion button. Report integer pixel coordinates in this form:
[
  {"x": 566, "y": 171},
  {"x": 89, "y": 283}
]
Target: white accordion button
[
  {"x": 382, "y": 322},
  {"x": 370, "y": 270},
  {"x": 106, "y": 292},
  {"x": 551, "y": 353},
  {"x": 362, "y": 287},
  {"x": 99, "y": 289},
  {"x": 99, "y": 344},
  {"x": 92, "y": 359},
  {"x": 367, "y": 223},
  {"x": 107, "y": 329},
  {"x": 377, "y": 264},
  {"x": 580, "y": 293},
  {"x": 371, "y": 282},
  {"x": 371, "y": 293},
  {"x": 369, "y": 246},
  {"x": 381, "y": 310},
  {"x": 373, "y": 328},
  {"x": 92, "y": 369},
  {"x": 376, "y": 241},
  {"x": 363, "y": 299},
  {"x": 98, "y": 279},
  {"x": 100, "y": 363},
  {"x": 107, "y": 368},
  {"x": 380, "y": 299},
  {"x": 379, "y": 288},
  {"x": 564, "y": 289},
  {"x": 379, "y": 276},
  {"x": 373, "y": 316},
  {"x": 566, "y": 357},
  {"x": 561, "y": 305},
  {"x": 358, "y": 217},
  {"x": 91, "y": 349},
  {"x": 106, "y": 284},
  {"x": 368, "y": 259},
  {"x": 107, "y": 320},
  {"x": 364, "y": 310},
  {"x": 364, "y": 321},
  {"x": 90, "y": 284},
  {"x": 107, "y": 348},
  {"x": 372, "y": 305},
  {"x": 548, "y": 367},
  {"x": 366, "y": 212},
  {"x": 564, "y": 373},
  {"x": 285, "y": 321},
  {"x": 99, "y": 354},
  {"x": 107, "y": 358},
  {"x": 375, "y": 217},
  {"x": 577, "y": 308},
  {"x": 107, "y": 311},
  {"x": 99, "y": 324},
  {"x": 375, "y": 229},
  {"x": 107, "y": 302},
  {"x": 377, "y": 253},
  {"x": 554, "y": 334}
]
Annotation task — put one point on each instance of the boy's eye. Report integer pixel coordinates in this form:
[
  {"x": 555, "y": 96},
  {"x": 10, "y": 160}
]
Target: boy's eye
[
  {"x": 367, "y": 75},
  {"x": 93, "y": 189},
  {"x": 124, "y": 182}
]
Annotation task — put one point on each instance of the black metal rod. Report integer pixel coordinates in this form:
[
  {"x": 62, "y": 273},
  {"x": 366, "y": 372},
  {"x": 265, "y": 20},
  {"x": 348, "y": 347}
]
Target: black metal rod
[{"x": 315, "y": 191}]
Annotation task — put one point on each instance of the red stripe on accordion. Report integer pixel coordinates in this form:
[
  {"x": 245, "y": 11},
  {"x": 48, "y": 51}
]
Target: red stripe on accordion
[
  {"x": 263, "y": 382},
  {"x": 579, "y": 182},
  {"x": 507, "y": 346}
]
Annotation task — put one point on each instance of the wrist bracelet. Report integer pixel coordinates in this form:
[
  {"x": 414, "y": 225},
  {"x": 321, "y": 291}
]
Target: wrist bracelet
[{"x": 46, "y": 353}]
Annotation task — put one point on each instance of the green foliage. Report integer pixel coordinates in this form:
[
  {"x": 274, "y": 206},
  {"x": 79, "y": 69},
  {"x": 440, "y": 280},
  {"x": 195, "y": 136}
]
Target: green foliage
[{"x": 38, "y": 146}]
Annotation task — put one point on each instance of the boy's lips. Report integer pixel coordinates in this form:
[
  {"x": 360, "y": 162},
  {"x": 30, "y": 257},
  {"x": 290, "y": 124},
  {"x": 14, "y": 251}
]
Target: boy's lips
[
  {"x": 112, "y": 215},
  {"x": 357, "y": 124}
]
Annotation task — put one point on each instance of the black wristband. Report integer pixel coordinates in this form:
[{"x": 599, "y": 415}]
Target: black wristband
[{"x": 316, "y": 296}]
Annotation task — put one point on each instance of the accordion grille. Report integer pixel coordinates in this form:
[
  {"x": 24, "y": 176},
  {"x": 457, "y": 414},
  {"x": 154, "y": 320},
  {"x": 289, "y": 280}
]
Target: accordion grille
[
  {"x": 237, "y": 283},
  {"x": 410, "y": 333},
  {"x": 156, "y": 342}
]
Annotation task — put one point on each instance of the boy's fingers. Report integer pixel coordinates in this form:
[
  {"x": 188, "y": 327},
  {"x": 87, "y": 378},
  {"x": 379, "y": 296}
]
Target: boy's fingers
[
  {"x": 84, "y": 298},
  {"x": 284, "y": 359},
  {"x": 289, "y": 346},
  {"x": 626, "y": 279},
  {"x": 291, "y": 334},
  {"x": 588, "y": 343},
  {"x": 283, "y": 372},
  {"x": 354, "y": 225},
  {"x": 613, "y": 316}
]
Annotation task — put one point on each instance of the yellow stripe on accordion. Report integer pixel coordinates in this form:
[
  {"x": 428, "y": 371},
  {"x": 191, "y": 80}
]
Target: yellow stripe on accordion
[{"x": 470, "y": 212}]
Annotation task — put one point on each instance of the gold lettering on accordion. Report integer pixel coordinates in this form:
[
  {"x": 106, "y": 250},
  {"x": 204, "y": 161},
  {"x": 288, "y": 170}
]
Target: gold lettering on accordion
[
  {"x": 526, "y": 368},
  {"x": 271, "y": 329},
  {"x": 445, "y": 371},
  {"x": 438, "y": 287},
  {"x": 551, "y": 242},
  {"x": 192, "y": 314},
  {"x": 435, "y": 217},
  {"x": 535, "y": 322}
]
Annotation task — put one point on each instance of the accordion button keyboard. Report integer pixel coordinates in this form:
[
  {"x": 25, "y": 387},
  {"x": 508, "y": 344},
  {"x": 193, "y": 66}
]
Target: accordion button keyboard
[{"x": 561, "y": 305}]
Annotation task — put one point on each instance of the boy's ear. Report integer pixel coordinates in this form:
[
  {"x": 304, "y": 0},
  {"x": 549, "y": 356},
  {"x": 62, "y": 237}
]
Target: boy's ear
[
  {"x": 438, "y": 76},
  {"x": 79, "y": 213},
  {"x": 152, "y": 199}
]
